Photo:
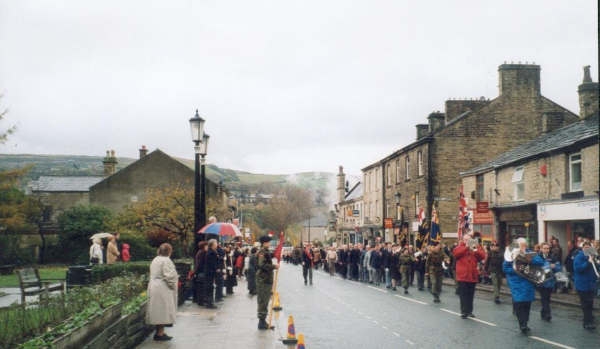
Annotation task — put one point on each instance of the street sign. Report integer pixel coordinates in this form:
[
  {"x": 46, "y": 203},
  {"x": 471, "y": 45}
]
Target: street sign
[
  {"x": 388, "y": 223},
  {"x": 482, "y": 207}
]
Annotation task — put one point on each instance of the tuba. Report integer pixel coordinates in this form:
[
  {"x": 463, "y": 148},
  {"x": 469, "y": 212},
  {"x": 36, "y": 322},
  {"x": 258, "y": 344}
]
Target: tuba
[
  {"x": 591, "y": 251},
  {"x": 521, "y": 265}
]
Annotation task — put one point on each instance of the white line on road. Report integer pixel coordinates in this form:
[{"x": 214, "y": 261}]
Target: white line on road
[
  {"x": 412, "y": 300},
  {"x": 409, "y": 342},
  {"x": 375, "y": 288},
  {"x": 550, "y": 342},
  {"x": 397, "y": 335},
  {"x": 470, "y": 318},
  {"x": 375, "y": 322},
  {"x": 360, "y": 313},
  {"x": 385, "y": 328},
  {"x": 368, "y": 317},
  {"x": 354, "y": 282},
  {"x": 353, "y": 309}
]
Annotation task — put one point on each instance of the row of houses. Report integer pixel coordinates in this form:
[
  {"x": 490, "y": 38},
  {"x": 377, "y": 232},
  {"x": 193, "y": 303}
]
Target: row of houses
[{"x": 528, "y": 167}]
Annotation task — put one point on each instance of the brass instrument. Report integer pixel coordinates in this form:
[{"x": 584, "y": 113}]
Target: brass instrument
[
  {"x": 521, "y": 265},
  {"x": 591, "y": 251},
  {"x": 473, "y": 244}
]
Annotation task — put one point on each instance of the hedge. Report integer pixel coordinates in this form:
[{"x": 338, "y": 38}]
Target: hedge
[{"x": 103, "y": 272}]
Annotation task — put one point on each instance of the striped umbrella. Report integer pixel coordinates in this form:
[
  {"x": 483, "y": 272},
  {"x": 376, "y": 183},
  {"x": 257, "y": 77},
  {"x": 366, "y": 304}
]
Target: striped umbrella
[{"x": 222, "y": 229}]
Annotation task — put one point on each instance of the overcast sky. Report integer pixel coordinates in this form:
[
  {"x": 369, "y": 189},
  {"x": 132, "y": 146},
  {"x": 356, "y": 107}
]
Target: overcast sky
[{"x": 284, "y": 86}]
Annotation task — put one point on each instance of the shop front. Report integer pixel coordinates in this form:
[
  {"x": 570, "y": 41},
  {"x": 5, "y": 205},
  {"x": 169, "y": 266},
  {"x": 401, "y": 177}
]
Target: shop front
[
  {"x": 483, "y": 225},
  {"x": 567, "y": 220},
  {"x": 516, "y": 222}
]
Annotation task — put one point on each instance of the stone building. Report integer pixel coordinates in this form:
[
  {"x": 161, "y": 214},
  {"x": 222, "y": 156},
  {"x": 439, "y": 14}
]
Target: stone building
[
  {"x": 156, "y": 170},
  {"x": 546, "y": 187},
  {"x": 350, "y": 213},
  {"x": 315, "y": 228},
  {"x": 468, "y": 133}
]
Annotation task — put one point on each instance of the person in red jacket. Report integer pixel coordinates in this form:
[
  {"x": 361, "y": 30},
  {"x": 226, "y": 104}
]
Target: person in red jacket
[
  {"x": 125, "y": 256},
  {"x": 467, "y": 273}
]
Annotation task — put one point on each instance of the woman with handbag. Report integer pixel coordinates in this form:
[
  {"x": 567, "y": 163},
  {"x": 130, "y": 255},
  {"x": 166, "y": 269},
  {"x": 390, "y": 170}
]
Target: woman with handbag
[{"x": 96, "y": 252}]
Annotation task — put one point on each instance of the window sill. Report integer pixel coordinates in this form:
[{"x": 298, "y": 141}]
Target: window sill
[{"x": 407, "y": 180}]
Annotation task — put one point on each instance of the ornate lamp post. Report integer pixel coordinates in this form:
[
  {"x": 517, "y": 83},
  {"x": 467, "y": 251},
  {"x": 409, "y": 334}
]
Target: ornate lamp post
[{"x": 200, "y": 140}]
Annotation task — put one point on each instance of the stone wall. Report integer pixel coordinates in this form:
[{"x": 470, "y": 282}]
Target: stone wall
[{"x": 125, "y": 333}]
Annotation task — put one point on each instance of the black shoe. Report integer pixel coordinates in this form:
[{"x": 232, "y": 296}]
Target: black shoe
[
  {"x": 421, "y": 289},
  {"x": 471, "y": 315},
  {"x": 589, "y": 326},
  {"x": 388, "y": 286},
  {"x": 305, "y": 282},
  {"x": 169, "y": 325},
  {"x": 164, "y": 337},
  {"x": 211, "y": 306},
  {"x": 497, "y": 300},
  {"x": 405, "y": 291},
  {"x": 262, "y": 324},
  {"x": 464, "y": 316},
  {"x": 394, "y": 289},
  {"x": 311, "y": 282},
  {"x": 437, "y": 300},
  {"x": 525, "y": 329}
]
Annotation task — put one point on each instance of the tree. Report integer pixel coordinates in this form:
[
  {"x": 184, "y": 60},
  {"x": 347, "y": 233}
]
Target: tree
[
  {"x": 290, "y": 205},
  {"x": 77, "y": 225},
  {"x": 7, "y": 132}
]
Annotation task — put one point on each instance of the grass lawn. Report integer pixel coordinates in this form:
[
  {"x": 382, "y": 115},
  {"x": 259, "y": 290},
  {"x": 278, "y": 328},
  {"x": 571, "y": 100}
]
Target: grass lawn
[{"x": 49, "y": 273}]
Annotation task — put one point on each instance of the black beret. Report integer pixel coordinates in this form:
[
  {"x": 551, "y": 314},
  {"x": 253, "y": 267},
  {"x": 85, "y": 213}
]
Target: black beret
[{"x": 264, "y": 238}]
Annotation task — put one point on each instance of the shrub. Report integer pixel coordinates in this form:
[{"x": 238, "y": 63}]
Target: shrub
[
  {"x": 78, "y": 224},
  {"x": 139, "y": 247},
  {"x": 103, "y": 272},
  {"x": 12, "y": 252}
]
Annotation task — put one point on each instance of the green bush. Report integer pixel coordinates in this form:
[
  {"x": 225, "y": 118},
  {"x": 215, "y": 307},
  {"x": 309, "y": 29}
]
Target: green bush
[
  {"x": 103, "y": 272},
  {"x": 12, "y": 252},
  {"x": 139, "y": 248},
  {"x": 78, "y": 224}
]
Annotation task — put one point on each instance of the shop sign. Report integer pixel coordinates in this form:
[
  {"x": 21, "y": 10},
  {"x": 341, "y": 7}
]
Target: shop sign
[
  {"x": 355, "y": 213},
  {"x": 388, "y": 223},
  {"x": 450, "y": 235},
  {"x": 482, "y": 207},
  {"x": 483, "y": 218},
  {"x": 526, "y": 215}
]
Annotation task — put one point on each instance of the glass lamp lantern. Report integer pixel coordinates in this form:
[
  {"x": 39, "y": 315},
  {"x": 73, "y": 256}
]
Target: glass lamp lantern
[{"x": 197, "y": 128}]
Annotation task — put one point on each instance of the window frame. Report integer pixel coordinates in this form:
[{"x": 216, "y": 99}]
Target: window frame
[
  {"x": 407, "y": 168},
  {"x": 398, "y": 171},
  {"x": 519, "y": 181},
  {"x": 480, "y": 187},
  {"x": 571, "y": 163},
  {"x": 417, "y": 201},
  {"x": 388, "y": 175},
  {"x": 420, "y": 163}
]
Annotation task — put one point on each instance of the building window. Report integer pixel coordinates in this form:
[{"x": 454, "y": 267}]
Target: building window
[
  {"x": 377, "y": 209},
  {"x": 47, "y": 215},
  {"x": 370, "y": 180},
  {"x": 407, "y": 167},
  {"x": 420, "y": 162},
  {"x": 519, "y": 184},
  {"x": 480, "y": 188},
  {"x": 398, "y": 171},
  {"x": 376, "y": 178},
  {"x": 417, "y": 202},
  {"x": 389, "y": 175},
  {"x": 575, "y": 172},
  {"x": 388, "y": 208}
]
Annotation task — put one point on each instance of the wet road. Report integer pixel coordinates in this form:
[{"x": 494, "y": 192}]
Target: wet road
[{"x": 336, "y": 313}]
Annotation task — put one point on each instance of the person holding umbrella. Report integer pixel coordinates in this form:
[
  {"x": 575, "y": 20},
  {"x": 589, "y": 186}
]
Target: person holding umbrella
[{"x": 96, "y": 252}]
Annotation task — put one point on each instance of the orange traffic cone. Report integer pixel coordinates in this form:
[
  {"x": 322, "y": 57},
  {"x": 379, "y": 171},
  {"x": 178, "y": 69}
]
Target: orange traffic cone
[
  {"x": 301, "y": 342},
  {"x": 276, "y": 305},
  {"x": 291, "y": 333}
]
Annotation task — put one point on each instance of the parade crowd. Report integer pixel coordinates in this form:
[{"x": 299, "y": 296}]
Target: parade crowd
[{"x": 467, "y": 263}]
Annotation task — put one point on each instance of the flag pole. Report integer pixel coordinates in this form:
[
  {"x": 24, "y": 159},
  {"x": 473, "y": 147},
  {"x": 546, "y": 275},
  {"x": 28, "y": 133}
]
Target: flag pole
[{"x": 278, "y": 256}]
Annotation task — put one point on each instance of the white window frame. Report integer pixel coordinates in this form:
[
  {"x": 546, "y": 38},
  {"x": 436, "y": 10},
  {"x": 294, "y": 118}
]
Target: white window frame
[
  {"x": 376, "y": 179},
  {"x": 517, "y": 179},
  {"x": 398, "y": 171},
  {"x": 417, "y": 201},
  {"x": 407, "y": 167},
  {"x": 420, "y": 163},
  {"x": 572, "y": 162},
  {"x": 388, "y": 175}
]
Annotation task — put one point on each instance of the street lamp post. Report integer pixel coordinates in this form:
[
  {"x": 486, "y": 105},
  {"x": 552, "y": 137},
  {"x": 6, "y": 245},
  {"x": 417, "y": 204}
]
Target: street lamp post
[{"x": 200, "y": 140}]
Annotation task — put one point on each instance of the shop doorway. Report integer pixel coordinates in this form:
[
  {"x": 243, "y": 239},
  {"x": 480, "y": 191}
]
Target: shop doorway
[{"x": 583, "y": 229}]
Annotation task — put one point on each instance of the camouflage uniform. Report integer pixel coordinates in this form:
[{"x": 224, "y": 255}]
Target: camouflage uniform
[
  {"x": 264, "y": 281},
  {"x": 406, "y": 262},
  {"x": 494, "y": 268},
  {"x": 434, "y": 267}
]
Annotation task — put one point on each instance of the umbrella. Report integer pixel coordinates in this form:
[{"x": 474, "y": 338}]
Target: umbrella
[
  {"x": 222, "y": 229},
  {"x": 101, "y": 235}
]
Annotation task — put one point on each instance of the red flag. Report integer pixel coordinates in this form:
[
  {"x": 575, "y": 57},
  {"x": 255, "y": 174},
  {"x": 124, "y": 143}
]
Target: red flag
[
  {"x": 463, "y": 223},
  {"x": 279, "y": 248}
]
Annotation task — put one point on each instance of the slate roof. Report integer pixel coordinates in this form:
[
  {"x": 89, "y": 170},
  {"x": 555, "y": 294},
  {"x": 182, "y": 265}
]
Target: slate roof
[
  {"x": 320, "y": 221},
  {"x": 65, "y": 183},
  {"x": 355, "y": 193},
  {"x": 564, "y": 137}
]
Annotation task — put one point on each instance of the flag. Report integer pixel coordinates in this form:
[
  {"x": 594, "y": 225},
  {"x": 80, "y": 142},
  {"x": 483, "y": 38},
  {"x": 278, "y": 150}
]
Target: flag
[
  {"x": 401, "y": 234},
  {"x": 279, "y": 248},
  {"x": 423, "y": 232},
  {"x": 435, "y": 226},
  {"x": 463, "y": 217}
]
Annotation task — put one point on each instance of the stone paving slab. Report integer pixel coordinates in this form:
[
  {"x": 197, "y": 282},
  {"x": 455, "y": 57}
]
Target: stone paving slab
[{"x": 232, "y": 325}]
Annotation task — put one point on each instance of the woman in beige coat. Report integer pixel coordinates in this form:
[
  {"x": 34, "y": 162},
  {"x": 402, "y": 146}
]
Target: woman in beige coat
[
  {"x": 162, "y": 293},
  {"x": 112, "y": 252}
]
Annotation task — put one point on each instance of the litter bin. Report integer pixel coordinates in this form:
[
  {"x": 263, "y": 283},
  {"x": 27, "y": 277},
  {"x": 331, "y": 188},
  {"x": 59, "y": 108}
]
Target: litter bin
[{"x": 78, "y": 275}]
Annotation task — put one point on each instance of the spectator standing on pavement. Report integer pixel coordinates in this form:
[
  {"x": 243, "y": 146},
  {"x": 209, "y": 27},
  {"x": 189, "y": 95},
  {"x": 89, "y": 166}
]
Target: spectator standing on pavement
[
  {"x": 467, "y": 273},
  {"x": 200, "y": 272},
  {"x": 96, "y": 252},
  {"x": 435, "y": 270},
  {"x": 568, "y": 264},
  {"x": 307, "y": 264},
  {"x": 493, "y": 265},
  {"x": 547, "y": 260},
  {"x": 162, "y": 293},
  {"x": 112, "y": 252},
  {"x": 585, "y": 284},
  {"x": 354, "y": 260},
  {"x": 219, "y": 277},
  {"x": 125, "y": 255},
  {"x": 385, "y": 260},
  {"x": 523, "y": 291},
  {"x": 212, "y": 271},
  {"x": 230, "y": 275},
  {"x": 555, "y": 249},
  {"x": 252, "y": 269},
  {"x": 331, "y": 260},
  {"x": 264, "y": 281}
]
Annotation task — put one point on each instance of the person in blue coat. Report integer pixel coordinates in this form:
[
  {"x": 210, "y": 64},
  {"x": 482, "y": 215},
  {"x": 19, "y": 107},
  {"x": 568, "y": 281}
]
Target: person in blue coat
[
  {"x": 585, "y": 284},
  {"x": 548, "y": 261},
  {"x": 522, "y": 291}
]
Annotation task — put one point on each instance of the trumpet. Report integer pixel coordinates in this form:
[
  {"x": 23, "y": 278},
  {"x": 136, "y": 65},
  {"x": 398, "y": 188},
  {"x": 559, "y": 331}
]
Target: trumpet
[{"x": 591, "y": 251}]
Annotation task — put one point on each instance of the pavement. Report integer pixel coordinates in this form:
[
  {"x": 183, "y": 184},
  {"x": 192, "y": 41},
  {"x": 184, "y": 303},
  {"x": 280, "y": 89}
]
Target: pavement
[
  {"x": 336, "y": 313},
  {"x": 13, "y": 294}
]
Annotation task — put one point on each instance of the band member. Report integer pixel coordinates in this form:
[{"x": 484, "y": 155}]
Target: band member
[
  {"x": 467, "y": 273},
  {"x": 585, "y": 284},
  {"x": 435, "y": 270},
  {"x": 493, "y": 265},
  {"x": 523, "y": 292},
  {"x": 545, "y": 289}
]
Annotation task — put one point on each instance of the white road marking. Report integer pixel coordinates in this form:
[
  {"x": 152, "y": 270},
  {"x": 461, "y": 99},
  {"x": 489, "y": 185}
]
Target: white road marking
[
  {"x": 368, "y": 317},
  {"x": 412, "y": 300},
  {"x": 375, "y": 288},
  {"x": 550, "y": 342},
  {"x": 397, "y": 335},
  {"x": 470, "y": 318},
  {"x": 409, "y": 342},
  {"x": 354, "y": 282},
  {"x": 375, "y": 322},
  {"x": 353, "y": 309},
  {"x": 360, "y": 313},
  {"x": 385, "y": 328}
]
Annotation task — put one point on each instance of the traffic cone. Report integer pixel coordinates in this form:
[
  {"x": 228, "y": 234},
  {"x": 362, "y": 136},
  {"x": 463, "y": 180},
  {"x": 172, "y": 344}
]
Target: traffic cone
[
  {"x": 276, "y": 305},
  {"x": 291, "y": 333},
  {"x": 300, "y": 342}
]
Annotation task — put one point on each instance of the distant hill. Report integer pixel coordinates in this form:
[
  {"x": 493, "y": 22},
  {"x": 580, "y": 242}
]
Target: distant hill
[{"x": 322, "y": 184}]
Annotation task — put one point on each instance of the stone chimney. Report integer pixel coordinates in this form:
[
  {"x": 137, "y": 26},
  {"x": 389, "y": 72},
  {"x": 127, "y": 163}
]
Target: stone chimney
[
  {"x": 110, "y": 163},
  {"x": 341, "y": 188},
  {"x": 520, "y": 80},
  {"x": 455, "y": 108},
  {"x": 143, "y": 151},
  {"x": 437, "y": 120},
  {"x": 422, "y": 130},
  {"x": 551, "y": 121},
  {"x": 588, "y": 95}
]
